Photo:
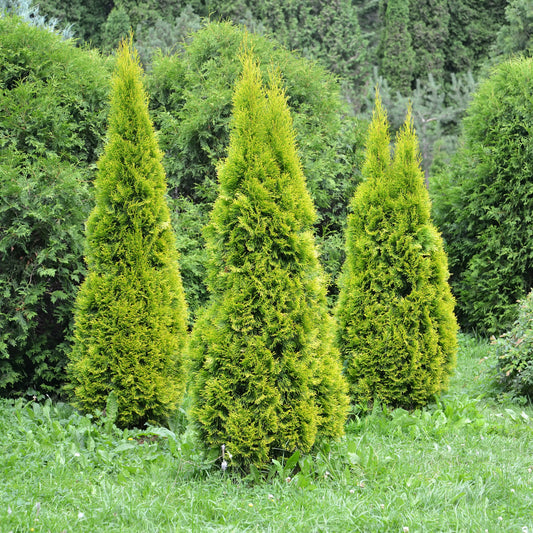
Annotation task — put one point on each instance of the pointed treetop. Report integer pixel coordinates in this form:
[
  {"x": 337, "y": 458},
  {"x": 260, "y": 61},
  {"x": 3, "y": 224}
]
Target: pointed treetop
[
  {"x": 377, "y": 145},
  {"x": 407, "y": 156},
  {"x": 127, "y": 86},
  {"x": 247, "y": 124}
]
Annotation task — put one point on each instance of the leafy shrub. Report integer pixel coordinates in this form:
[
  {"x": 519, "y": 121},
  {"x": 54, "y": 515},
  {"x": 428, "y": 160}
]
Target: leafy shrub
[
  {"x": 53, "y": 102},
  {"x": 44, "y": 205},
  {"x": 130, "y": 320},
  {"x": 191, "y": 103},
  {"x": 484, "y": 201},
  {"x": 397, "y": 330},
  {"x": 266, "y": 377},
  {"x": 514, "y": 352}
]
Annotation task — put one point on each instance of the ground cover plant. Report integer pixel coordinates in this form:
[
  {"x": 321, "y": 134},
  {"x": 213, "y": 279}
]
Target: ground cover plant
[
  {"x": 462, "y": 464},
  {"x": 513, "y": 352}
]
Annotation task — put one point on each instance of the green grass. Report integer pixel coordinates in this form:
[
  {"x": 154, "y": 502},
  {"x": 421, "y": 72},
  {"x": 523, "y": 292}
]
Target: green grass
[{"x": 463, "y": 464}]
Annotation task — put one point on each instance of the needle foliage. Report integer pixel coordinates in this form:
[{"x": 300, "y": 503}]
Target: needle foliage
[
  {"x": 266, "y": 377},
  {"x": 130, "y": 318},
  {"x": 397, "y": 330}
]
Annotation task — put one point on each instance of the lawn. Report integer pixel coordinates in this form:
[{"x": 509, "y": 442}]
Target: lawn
[{"x": 462, "y": 464}]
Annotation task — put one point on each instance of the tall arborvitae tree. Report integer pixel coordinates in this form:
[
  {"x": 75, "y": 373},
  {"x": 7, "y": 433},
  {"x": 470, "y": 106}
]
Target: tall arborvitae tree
[
  {"x": 266, "y": 378},
  {"x": 130, "y": 318},
  {"x": 397, "y": 330}
]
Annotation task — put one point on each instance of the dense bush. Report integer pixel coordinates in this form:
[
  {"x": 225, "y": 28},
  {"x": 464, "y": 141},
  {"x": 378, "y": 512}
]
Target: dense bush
[
  {"x": 484, "y": 201},
  {"x": 397, "y": 330},
  {"x": 191, "y": 106},
  {"x": 266, "y": 379},
  {"x": 514, "y": 352},
  {"x": 53, "y": 111},
  {"x": 130, "y": 320}
]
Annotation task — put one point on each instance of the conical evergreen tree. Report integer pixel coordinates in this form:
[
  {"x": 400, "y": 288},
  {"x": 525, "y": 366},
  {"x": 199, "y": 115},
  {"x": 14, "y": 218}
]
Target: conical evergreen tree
[
  {"x": 130, "y": 320},
  {"x": 397, "y": 330},
  {"x": 266, "y": 377},
  {"x": 397, "y": 57}
]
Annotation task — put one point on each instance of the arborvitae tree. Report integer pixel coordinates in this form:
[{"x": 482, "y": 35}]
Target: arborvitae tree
[
  {"x": 130, "y": 317},
  {"x": 266, "y": 378},
  {"x": 397, "y": 57},
  {"x": 397, "y": 330}
]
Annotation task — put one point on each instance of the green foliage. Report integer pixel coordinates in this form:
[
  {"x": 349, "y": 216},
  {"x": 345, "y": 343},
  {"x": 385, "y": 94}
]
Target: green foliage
[
  {"x": 325, "y": 31},
  {"x": 484, "y": 201},
  {"x": 514, "y": 352},
  {"x": 471, "y": 33},
  {"x": 420, "y": 470},
  {"x": 397, "y": 57},
  {"x": 166, "y": 34},
  {"x": 87, "y": 17},
  {"x": 52, "y": 96},
  {"x": 428, "y": 27},
  {"x": 116, "y": 28},
  {"x": 191, "y": 107},
  {"x": 266, "y": 379},
  {"x": 516, "y": 36},
  {"x": 130, "y": 317},
  {"x": 30, "y": 14},
  {"x": 397, "y": 331},
  {"x": 437, "y": 109}
]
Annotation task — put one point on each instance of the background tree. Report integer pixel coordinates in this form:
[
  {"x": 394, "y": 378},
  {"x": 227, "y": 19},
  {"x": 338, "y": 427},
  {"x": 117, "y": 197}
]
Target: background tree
[
  {"x": 130, "y": 327},
  {"x": 485, "y": 200},
  {"x": 87, "y": 17},
  {"x": 516, "y": 35},
  {"x": 397, "y": 331},
  {"x": 471, "y": 33},
  {"x": 397, "y": 57},
  {"x": 191, "y": 106},
  {"x": 428, "y": 26},
  {"x": 54, "y": 107},
  {"x": 117, "y": 27},
  {"x": 266, "y": 378}
]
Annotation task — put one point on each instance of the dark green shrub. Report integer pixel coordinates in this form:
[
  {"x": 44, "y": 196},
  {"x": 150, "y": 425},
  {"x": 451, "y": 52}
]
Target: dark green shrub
[
  {"x": 484, "y": 201},
  {"x": 397, "y": 330},
  {"x": 514, "y": 352},
  {"x": 130, "y": 316},
  {"x": 53, "y": 112},
  {"x": 191, "y": 104},
  {"x": 266, "y": 378}
]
